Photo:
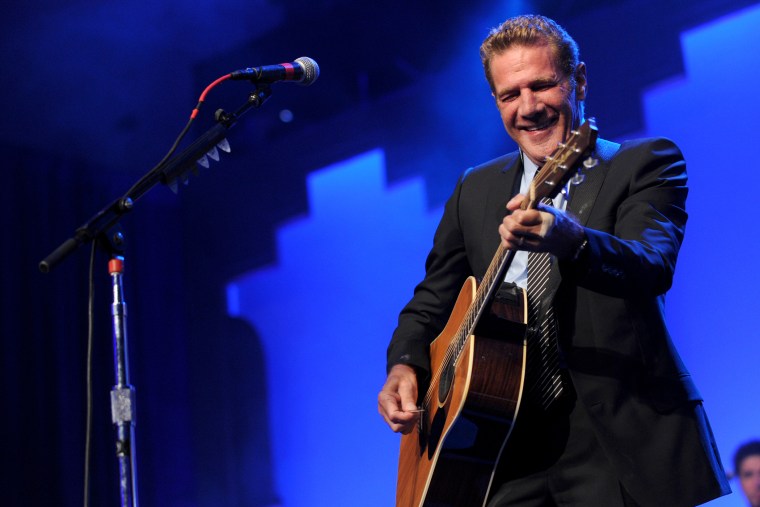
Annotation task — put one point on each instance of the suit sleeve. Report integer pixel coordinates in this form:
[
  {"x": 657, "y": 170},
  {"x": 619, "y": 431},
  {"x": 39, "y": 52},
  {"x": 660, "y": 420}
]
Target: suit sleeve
[
  {"x": 425, "y": 316},
  {"x": 637, "y": 225}
]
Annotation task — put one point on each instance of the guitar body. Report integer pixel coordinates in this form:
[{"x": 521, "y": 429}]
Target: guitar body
[{"x": 449, "y": 459}]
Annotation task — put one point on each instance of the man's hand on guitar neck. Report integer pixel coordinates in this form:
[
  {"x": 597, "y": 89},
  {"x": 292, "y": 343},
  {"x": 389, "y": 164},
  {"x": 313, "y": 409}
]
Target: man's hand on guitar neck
[
  {"x": 397, "y": 401},
  {"x": 544, "y": 229}
]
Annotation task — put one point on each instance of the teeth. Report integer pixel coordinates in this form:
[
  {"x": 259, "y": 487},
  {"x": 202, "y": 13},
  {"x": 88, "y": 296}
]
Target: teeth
[{"x": 541, "y": 127}]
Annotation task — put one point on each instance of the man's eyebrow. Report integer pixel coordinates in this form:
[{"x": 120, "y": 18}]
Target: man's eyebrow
[
  {"x": 536, "y": 82},
  {"x": 545, "y": 80}
]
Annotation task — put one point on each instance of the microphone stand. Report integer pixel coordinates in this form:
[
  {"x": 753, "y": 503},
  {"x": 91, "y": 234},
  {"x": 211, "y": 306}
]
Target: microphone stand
[{"x": 104, "y": 228}]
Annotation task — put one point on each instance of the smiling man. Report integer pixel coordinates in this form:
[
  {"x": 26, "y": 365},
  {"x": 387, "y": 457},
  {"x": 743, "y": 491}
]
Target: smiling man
[{"x": 607, "y": 414}]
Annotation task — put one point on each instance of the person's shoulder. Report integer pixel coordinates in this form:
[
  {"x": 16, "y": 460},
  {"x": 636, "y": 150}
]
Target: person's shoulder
[
  {"x": 649, "y": 144},
  {"x": 648, "y": 153},
  {"x": 494, "y": 166}
]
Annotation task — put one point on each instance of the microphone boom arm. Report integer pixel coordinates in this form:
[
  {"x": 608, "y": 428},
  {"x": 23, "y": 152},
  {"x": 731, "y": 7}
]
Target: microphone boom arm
[{"x": 169, "y": 173}]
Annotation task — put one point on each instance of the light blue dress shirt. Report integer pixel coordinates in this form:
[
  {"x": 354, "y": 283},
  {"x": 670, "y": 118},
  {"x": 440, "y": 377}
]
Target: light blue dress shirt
[{"x": 518, "y": 270}]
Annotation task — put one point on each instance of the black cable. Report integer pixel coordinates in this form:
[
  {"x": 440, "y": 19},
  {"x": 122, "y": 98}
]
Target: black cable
[
  {"x": 181, "y": 135},
  {"x": 88, "y": 388}
]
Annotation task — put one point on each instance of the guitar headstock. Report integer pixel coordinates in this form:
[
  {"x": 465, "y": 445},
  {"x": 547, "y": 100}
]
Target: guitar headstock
[{"x": 562, "y": 164}]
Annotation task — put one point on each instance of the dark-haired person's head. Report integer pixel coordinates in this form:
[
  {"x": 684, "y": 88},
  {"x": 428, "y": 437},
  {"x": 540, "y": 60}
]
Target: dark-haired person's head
[{"x": 747, "y": 471}]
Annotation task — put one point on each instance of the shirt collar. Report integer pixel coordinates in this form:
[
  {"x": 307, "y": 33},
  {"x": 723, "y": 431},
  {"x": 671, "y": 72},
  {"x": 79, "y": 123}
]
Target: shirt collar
[{"x": 529, "y": 168}]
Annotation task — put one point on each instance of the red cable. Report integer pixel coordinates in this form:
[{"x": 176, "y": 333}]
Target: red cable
[{"x": 205, "y": 92}]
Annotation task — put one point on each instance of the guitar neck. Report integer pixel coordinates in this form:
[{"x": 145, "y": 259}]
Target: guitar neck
[{"x": 490, "y": 283}]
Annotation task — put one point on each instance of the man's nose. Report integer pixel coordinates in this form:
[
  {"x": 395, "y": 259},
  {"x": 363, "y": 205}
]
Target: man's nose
[{"x": 530, "y": 106}]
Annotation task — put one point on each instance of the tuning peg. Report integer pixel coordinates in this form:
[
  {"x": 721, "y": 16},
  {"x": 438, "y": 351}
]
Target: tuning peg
[{"x": 204, "y": 162}]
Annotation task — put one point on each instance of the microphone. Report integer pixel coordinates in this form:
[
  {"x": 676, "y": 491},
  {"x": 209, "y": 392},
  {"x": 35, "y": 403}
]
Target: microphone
[{"x": 303, "y": 71}]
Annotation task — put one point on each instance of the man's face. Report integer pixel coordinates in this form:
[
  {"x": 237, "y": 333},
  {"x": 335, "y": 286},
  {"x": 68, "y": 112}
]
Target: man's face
[
  {"x": 537, "y": 104},
  {"x": 749, "y": 478}
]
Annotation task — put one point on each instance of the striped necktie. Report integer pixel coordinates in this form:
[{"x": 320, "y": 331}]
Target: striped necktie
[{"x": 543, "y": 354}]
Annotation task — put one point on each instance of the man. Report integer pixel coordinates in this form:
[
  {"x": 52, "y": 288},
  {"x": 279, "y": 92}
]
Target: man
[
  {"x": 627, "y": 427},
  {"x": 747, "y": 469}
]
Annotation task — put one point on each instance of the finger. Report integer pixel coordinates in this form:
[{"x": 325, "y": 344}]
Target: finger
[
  {"x": 404, "y": 422},
  {"x": 511, "y": 240},
  {"x": 409, "y": 428},
  {"x": 515, "y": 202},
  {"x": 526, "y": 242},
  {"x": 388, "y": 403},
  {"x": 408, "y": 394},
  {"x": 400, "y": 421},
  {"x": 527, "y": 218}
]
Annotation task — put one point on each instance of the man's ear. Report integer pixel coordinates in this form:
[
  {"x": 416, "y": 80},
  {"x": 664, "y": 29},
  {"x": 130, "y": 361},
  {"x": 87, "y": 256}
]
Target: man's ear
[{"x": 581, "y": 84}]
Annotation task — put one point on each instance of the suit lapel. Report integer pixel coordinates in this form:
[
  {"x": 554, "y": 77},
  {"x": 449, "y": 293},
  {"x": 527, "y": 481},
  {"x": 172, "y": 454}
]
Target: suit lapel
[
  {"x": 505, "y": 184},
  {"x": 583, "y": 196}
]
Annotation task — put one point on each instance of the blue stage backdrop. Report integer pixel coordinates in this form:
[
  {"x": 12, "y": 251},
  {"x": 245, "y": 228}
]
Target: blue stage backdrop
[{"x": 326, "y": 308}]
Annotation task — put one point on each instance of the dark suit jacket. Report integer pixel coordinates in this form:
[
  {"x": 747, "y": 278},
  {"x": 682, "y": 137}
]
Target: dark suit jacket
[{"x": 645, "y": 408}]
